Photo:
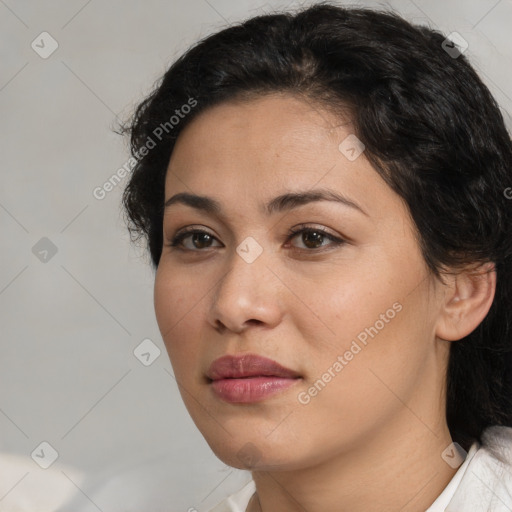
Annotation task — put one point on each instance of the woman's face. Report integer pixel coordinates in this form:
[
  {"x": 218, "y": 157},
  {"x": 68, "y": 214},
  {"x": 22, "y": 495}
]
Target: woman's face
[{"x": 352, "y": 317}]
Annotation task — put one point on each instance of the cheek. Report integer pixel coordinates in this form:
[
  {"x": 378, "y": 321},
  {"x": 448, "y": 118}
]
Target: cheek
[
  {"x": 177, "y": 303},
  {"x": 377, "y": 352},
  {"x": 373, "y": 316},
  {"x": 337, "y": 305}
]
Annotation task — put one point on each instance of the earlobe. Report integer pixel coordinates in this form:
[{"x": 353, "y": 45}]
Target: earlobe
[{"x": 467, "y": 301}]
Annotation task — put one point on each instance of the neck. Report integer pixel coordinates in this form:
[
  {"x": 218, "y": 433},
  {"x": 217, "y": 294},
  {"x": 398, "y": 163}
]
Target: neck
[{"x": 400, "y": 468}]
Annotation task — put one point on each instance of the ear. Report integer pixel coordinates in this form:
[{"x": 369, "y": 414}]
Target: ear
[{"x": 467, "y": 300}]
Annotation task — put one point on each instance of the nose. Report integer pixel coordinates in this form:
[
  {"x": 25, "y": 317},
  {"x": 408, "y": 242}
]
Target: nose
[{"x": 246, "y": 294}]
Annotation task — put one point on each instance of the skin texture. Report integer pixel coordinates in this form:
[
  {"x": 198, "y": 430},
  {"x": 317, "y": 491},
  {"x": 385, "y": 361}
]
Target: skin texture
[{"x": 372, "y": 438}]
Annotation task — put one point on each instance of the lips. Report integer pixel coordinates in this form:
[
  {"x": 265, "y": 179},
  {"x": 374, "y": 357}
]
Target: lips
[
  {"x": 248, "y": 365},
  {"x": 249, "y": 378}
]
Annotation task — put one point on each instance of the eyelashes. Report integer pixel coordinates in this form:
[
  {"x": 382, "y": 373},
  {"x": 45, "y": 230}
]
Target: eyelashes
[{"x": 315, "y": 233}]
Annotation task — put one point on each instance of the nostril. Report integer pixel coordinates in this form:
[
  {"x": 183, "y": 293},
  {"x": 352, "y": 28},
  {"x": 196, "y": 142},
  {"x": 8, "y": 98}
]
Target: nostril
[
  {"x": 253, "y": 321},
  {"x": 220, "y": 327}
]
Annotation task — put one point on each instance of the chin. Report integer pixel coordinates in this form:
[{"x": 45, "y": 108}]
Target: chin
[{"x": 255, "y": 452}]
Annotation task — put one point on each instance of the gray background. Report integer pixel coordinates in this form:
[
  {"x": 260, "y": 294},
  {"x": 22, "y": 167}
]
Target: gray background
[{"x": 70, "y": 323}]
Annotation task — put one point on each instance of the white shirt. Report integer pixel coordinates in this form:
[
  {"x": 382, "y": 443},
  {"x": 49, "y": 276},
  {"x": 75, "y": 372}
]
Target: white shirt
[{"x": 482, "y": 483}]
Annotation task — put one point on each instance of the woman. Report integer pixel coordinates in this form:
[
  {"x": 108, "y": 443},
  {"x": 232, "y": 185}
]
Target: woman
[{"x": 324, "y": 196}]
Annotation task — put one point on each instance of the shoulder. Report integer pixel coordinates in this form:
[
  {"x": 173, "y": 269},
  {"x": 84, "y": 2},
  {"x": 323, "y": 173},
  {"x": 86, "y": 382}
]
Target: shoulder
[
  {"x": 497, "y": 441},
  {"x": 487, "y": 482},
  {"x": 236, "y": 502}
]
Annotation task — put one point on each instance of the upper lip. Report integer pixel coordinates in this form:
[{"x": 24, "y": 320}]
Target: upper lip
[{"x": 247, "y": 365}]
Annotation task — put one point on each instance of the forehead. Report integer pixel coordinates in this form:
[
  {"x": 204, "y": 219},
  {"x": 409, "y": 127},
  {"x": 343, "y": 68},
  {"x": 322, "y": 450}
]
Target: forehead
[
  {"x": 272, "y": 131},
  {"x": 271, "y": 125},
  {"x": 253, "y": 150}
]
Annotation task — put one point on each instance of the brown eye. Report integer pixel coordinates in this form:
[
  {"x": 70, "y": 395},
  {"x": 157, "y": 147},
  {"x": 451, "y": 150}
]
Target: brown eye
[
  {"x": 312, "y": 238},
  {"x": 200, "y": 239}
]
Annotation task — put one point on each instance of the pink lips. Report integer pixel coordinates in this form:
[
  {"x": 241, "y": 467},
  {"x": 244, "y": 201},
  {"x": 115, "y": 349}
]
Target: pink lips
[{"x": 248, "y": 378}]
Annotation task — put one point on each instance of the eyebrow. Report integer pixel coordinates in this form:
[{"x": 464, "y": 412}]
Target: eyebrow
[{"x": 280, "y": 203}]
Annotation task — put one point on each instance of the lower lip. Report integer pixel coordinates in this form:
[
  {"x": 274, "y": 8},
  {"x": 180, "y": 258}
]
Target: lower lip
[{"x": 250, "y": 389}]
